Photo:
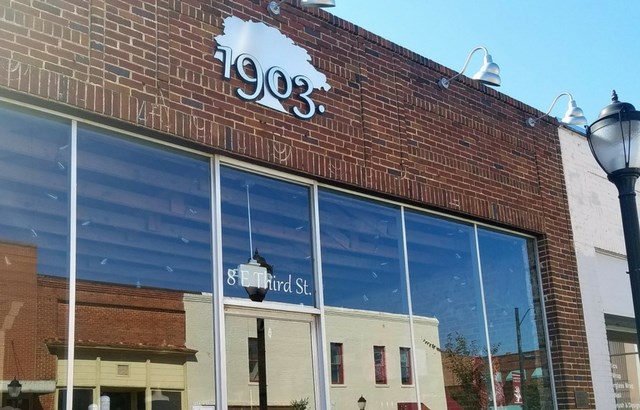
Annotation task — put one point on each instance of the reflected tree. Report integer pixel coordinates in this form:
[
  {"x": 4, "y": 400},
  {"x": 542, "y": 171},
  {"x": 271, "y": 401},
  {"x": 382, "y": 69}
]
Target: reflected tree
[
  {"x": 467, "y": 363},
  {"x": 301, "y": 404}
]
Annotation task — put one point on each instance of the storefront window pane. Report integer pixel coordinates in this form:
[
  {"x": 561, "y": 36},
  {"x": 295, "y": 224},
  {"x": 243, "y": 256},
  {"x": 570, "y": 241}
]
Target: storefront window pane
[
  {"x": 511, "y": 287},
  {"x": 625, "y": 367},
  {"x": 144, "y": 321},
  {"x": 366, "y": 304},
  {"x": 447, "y": 305},
  {"x": 34, "y": 259},
  {"x": 361, "y": 254},
  {"x": 284, "y": 346},
  {"x": 272, "y": 217}
]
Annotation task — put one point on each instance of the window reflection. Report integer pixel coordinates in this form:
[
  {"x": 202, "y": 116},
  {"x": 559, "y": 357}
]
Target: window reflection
[
  {"x": 144, "y": 322},
  {"x": 514, "y": 315},
  {"x": 273, "y": 217},
  {"x": 361, "y": 254},
  {"x": 34, "y": 259},
  {"x": 144, "y": 325},
  {"x": 366, "y": 305},
  {"x": 445, "y": 286},
  {"x": 289, "y": 378},
  {"x": 143, "y": 214}
]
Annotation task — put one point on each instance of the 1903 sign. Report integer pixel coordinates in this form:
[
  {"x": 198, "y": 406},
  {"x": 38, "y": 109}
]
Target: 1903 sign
[{"x": 262, "y": 57}]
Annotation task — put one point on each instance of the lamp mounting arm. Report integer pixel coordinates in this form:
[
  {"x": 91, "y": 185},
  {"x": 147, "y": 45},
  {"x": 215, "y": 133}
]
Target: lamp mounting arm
[
  {"x": 444, "y": 82},
  {"x": 573, "y": 115},
  {"x": 553, "y": 104}
]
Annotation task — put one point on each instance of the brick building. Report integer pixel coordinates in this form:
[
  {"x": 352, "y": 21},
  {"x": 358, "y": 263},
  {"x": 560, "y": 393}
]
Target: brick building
[{"x": 158, "y": 145}]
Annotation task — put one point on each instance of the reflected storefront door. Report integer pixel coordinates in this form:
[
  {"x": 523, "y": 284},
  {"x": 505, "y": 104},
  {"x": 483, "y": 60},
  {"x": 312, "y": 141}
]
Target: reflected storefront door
[{"x": 270, "y": 361}]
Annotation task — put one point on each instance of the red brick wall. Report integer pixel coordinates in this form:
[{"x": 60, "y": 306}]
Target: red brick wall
[
  {"x": 18, "y": 311},
  {"x": 389, "y": 128}
]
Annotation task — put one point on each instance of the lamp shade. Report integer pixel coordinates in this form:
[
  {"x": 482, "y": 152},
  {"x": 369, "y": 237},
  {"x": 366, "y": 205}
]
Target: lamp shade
[
  {"x": 489, "y": 73},
  {"x": 318, "y": 3},
  {"x": 256, "y": 276},
  {"x": 614, "y": 137},
  {"x": 574, "y": 114}
]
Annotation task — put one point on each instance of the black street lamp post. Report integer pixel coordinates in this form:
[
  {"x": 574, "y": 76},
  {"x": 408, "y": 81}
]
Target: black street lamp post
[
  {"x": 614, "y": 139},
  {"x": 258, "y": 275}
]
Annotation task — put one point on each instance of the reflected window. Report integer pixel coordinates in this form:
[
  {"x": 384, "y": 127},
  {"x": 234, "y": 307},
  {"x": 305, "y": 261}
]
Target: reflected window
[
  {"x": 165, "y": 400},
  {"x": 272, "y": 217},
  {"x": 406, "y": 373},
  {"x": 337, "y": 365},
  {"x": 82, "y": 398},
  {"x": 380, "y": 364},
  {"x": 254, "y": 374}
]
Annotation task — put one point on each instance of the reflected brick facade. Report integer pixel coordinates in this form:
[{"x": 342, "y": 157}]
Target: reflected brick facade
[{"x": 108, "y": 317}]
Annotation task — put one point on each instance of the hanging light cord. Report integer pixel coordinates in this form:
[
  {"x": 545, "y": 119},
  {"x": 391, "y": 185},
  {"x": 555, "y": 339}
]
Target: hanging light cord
[{"x": 249, "y": 218}]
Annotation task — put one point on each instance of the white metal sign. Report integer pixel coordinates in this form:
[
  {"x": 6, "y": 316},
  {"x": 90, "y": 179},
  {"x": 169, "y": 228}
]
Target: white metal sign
[{"x": 272, "y": 66}]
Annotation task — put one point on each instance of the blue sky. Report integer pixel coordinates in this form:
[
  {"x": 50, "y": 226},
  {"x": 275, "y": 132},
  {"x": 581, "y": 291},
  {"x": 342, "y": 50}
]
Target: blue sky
[{"x": 586, "y": 48}]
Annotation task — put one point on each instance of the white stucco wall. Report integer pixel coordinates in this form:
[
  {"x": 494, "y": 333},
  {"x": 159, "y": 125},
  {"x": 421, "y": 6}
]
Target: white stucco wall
[
  {"x": 600, "y": 250},
  {"x": 199, "y": 336}
]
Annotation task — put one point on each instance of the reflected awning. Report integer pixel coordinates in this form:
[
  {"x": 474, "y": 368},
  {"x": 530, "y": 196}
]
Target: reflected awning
[
  {"x": 59, "y": 344},
  {"x": 537, "y": 373},
  {"x": 511, "y": 373},
  {"x": 31, "y": 386}
]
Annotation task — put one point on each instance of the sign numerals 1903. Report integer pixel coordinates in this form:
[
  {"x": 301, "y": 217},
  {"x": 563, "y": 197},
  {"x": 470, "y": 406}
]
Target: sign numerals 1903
[{"x": 276, "y": 81}]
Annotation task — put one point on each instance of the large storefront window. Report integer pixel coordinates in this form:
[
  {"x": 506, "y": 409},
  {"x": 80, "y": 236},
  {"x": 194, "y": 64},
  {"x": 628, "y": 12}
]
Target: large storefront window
[
  {"x": 35, "y": 163},
  {"x": 144, "y": 315},
  {"x": 365, "y": 297},
  {"x": 514, "y": 316},
  {"x": 273, "y": 218},
  {"x": 267, "y": 222},
  {"x": 445, "y": 288},
  {"x": 413, "y": 309},
  {"x": 482, "y": 359}
]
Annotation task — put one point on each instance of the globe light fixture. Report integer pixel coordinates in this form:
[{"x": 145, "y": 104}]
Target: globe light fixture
[
  {"x": 614, "y": 139},
  {"x": 362, "y": 403},
  {"x": 14, "y": 388}
]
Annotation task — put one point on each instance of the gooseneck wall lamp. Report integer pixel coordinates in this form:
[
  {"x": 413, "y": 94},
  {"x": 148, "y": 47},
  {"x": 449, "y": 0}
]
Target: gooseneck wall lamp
[
  {"x": 489, "y": 73},
  {"x": 614, "y": 139},
  {"x": 573, "y": 115},
  {"x": 274, "y": 5}
]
